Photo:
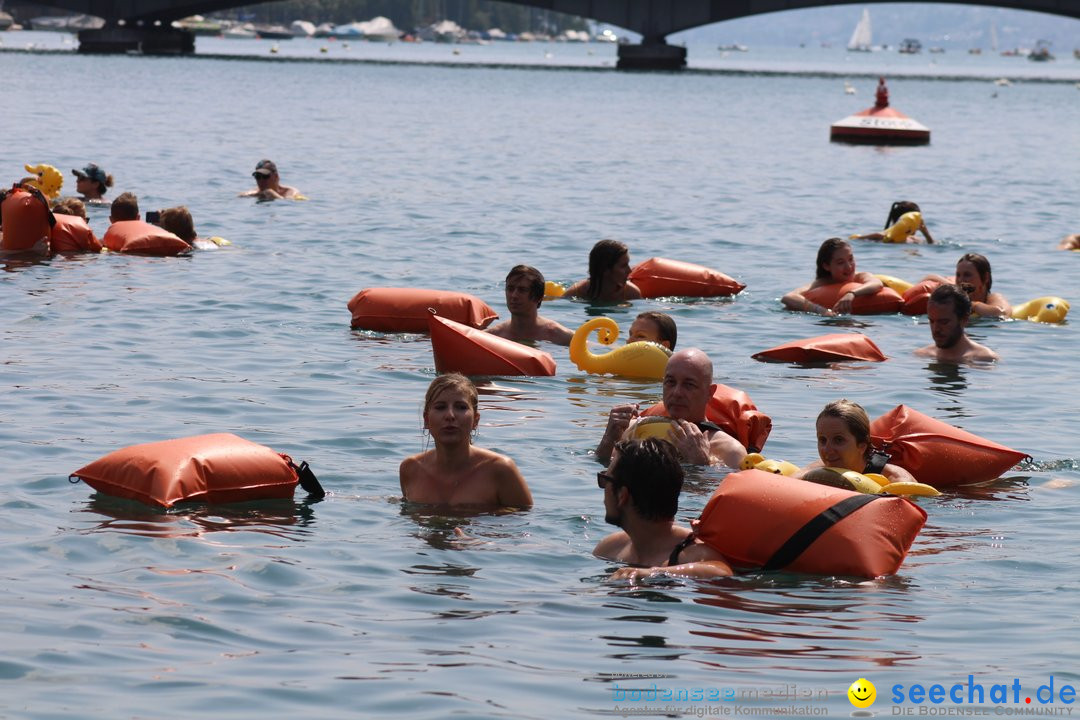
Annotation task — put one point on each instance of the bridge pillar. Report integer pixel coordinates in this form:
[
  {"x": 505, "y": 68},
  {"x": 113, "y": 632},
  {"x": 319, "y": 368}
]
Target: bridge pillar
[
  {"x": 652, "y": 54},
  {"x": 144, "y": 39}
]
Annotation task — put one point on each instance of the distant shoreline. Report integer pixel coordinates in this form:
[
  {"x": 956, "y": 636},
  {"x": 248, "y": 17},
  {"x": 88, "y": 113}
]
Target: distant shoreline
[{"x": 502, "y": 65}]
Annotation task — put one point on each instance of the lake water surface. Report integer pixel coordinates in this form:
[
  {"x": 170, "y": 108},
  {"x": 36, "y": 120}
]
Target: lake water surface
[{"x": 432, "y": 176}]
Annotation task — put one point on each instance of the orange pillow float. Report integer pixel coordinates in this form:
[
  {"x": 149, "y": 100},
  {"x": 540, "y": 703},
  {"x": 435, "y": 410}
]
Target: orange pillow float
[
  {"x": 137, "y": 237},
  {"x": 762, "y": 520},
  {"x": 26, "y": 219},
  {"x": 917, "y": 297},
  {"x": 71, "y": 234},
  {"x": 825, "y": 348},
  {"x": 460, "y": 348},
  {"x": 218, "y": 468},
  {"x": 408, "y": 309},
  {"x": 660, "y": 277},
  {"x": 885, "y": 300},
  {"x": 735, "y": 413},
  {"x": 937, "y": 453}
]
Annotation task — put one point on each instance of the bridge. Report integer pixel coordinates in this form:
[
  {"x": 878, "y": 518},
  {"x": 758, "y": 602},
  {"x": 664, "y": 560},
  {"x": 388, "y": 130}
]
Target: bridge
[{"x": 144, "y": 25}]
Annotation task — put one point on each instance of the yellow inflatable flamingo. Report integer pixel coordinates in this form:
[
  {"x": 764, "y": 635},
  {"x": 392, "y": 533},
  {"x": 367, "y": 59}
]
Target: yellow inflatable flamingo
[
  {"x": 636, "y": 359},
  {"x": 45, "y": 178}
]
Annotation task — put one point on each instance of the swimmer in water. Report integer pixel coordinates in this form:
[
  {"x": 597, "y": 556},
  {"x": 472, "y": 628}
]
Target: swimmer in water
[
  {"x": 688, "y": 387},
  {"x": 124, "y": 207},
  {"x": 654, "y": 327},
  {"x": 609, "y": 275},
  {"x": 835, "y": 265},
  {"x": 949, "y": 310},
  {"x": 973, "y": 275},
  {"x": 901, "y": 207},
  {"x": 268, "y": 184},
  {"x": 179, "y": 222},
  {"x": 524, "y": 295},
  {"x": 843, "y": 441},
  {"x": 456, "y": 473},
  {"x": 641, "y": 497},
  {"x": 1070, "y": 242},
  {"x": 92, "y": 183}
]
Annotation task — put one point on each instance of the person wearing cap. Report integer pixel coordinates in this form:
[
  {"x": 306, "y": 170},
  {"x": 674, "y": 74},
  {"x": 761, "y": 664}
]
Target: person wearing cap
[
  {"x": 92, "y": 183},
  {"x": 268, "y": 184}
]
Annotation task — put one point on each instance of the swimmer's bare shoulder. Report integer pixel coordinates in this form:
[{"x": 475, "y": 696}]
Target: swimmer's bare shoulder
[
  {"x": 510, "y": 485},
  {"x": 613, "y": 547},
  {"x": 555, "y": 332},
  {"x": 578, "y": 289},
  {"x": 412, "y": 471}
]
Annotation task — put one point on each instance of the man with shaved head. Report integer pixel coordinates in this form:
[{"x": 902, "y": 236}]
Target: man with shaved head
[{"x": 688, "y": 387}]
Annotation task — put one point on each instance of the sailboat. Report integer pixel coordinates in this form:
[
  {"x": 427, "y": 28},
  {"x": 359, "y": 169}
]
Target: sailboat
[{"x": 863, "y": 35}]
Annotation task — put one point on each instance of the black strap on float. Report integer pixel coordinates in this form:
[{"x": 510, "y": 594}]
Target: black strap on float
[
  {"x": 805, "y": 536},
  {"x": 876, "y": 462},
  {"x": 709, "y": 426},
  {"x": 308, "y": 481}
]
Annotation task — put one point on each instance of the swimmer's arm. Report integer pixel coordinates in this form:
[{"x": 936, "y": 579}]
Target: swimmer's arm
[
  {"x": 512, "y": 489},
  {"x": 578, "y": 289},
  {"x": 995, "y": 307},
  {"x": 895, "y": 473},
  {"x": 938, "y": 279},
  {"x": 618, "y": 422},
  {"x": 702, "y": 563},
  {"x": 501, "y": 330},
  {"x": 560, "y": 334},
  {"x": 868, "y": 236},
  {"x": 870, "y": 284},
  {"x": 926, "y": 234},
  {"x": 406, "y": 473},
  {"x": 725, "y": 450},
  {"x": 288, "y": 192},
  {"x": 796, "y": 300}
]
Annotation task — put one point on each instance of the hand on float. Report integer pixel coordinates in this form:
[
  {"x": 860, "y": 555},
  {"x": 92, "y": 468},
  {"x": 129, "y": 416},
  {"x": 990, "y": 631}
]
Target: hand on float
[
  {"x": 843, "y": 305},
  {"x": 632, "y": 574},
  {"x": 619, "y": 420},
  {"x": 691, "y": 442}
]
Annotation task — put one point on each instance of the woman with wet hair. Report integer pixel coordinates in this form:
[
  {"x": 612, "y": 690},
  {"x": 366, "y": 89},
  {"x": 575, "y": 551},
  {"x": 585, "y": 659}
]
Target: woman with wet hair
[
  {"x": 609, "y": 275},
  {"x": 835, "y": 265},
  {"x": 898, "y": 210}
]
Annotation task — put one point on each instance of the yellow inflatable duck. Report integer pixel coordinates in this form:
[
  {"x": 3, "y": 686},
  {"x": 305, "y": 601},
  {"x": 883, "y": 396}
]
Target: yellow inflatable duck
[
  {"x": 636, "y": 359},
  {"x": 45, "y": 178},
  {"x": 760, "y": 462},
  {"x": 1045, "y": 310}
]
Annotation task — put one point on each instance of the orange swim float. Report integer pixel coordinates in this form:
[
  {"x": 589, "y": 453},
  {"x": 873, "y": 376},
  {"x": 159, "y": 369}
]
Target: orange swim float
[
  {"x": 825, "y": 348},
  {"x": 71, "y": 234},
  {"x": 25, "y": 217},
  {"x": 137, "y": 237},
  {"x": 660, "y": 277},
  {"x": 460, "y": 348},
  {"x": 885, "y": 300},
  {"x": 408, "y": 309},
  {"x": 218, "y": 468},
  {"x": 763, "y": 520},
  {"x": 937, "y": 453},
  {"x": 735, "y": 413},
  {"x": 917, "y": 297}
]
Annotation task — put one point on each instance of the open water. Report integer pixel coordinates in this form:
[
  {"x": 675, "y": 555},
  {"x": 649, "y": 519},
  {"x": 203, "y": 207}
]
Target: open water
[{"x": 445, "y": 177}]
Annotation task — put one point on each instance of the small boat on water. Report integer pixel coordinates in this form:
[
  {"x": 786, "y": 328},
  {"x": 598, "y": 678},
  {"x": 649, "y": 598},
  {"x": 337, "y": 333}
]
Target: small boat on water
[
  {"x": 273, "y": 32},
  {"x": 862, "y": 37},
  {"x": 910, "y": 46},
  {"x": 244, "y": 31},
  {"x": 1041, "y": 53},
  {"x": 880, "y": 125},
  {"x": 67, "y": 23}
]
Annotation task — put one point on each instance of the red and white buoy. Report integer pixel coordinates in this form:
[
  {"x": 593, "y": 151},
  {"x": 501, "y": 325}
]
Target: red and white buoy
[{"x": 880, "y": 125}]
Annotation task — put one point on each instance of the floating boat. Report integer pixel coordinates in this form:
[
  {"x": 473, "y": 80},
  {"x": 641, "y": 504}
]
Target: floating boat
[
  {"x": 1041, "y": 53},
  {"x": 862, "y": 37},
  {"x": 880, "y": 125},
  {"x": 467, "y": 350},
  {"x": 910, "y": 46},
  {"x": 273, "y": 32}
]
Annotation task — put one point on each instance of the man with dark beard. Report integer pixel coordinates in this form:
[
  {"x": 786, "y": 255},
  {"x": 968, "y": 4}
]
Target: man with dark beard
[
  {"x": 948, "y": 311},
  {"x": 641, "y": 496}
]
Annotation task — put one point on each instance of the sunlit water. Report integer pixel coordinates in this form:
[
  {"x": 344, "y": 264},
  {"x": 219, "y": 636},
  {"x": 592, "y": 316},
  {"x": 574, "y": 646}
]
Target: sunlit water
[{"x": 445, "y": 177}]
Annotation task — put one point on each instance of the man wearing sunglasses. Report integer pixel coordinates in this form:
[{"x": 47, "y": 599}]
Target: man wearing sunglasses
[
  {"x": 688, "y": 387},
  {"x": 641, "y": 496},
  {"x": 268, "y": 184}
]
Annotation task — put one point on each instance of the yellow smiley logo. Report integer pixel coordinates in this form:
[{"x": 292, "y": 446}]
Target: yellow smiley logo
[{"x": 862, "y": 693}]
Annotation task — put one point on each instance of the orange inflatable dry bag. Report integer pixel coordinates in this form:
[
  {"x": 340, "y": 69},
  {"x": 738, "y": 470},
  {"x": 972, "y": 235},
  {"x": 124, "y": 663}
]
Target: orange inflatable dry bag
[
  {"x": 137, "y": 237},
  {"x": 885, "y": 300},
  {"x": 735, "y": 413},
  {"x": 825, "y": 348},
  {"x": 937, "y": 453},
  {"x": 460, "y": 348},
  {"x": 660, "y": 277},
  {"x": 917, "y": 297},
  {"x": 219, "y": 468},
  {"x": 773, "y": 522},
  {"x": 71, "y": 234},
  {"x": 25, "y": 217},
  {"x": 407, "y": 309}
]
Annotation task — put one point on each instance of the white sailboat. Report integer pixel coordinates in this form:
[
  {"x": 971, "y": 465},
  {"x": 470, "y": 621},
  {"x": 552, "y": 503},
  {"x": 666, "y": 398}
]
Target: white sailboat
[{"x": 862, "y": 37}]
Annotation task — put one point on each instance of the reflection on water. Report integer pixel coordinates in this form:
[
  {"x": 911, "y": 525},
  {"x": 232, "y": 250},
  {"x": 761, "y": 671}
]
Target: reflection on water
[
  {"x": 950, "y": 380},
  {"x": 282, "y": 518}
]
